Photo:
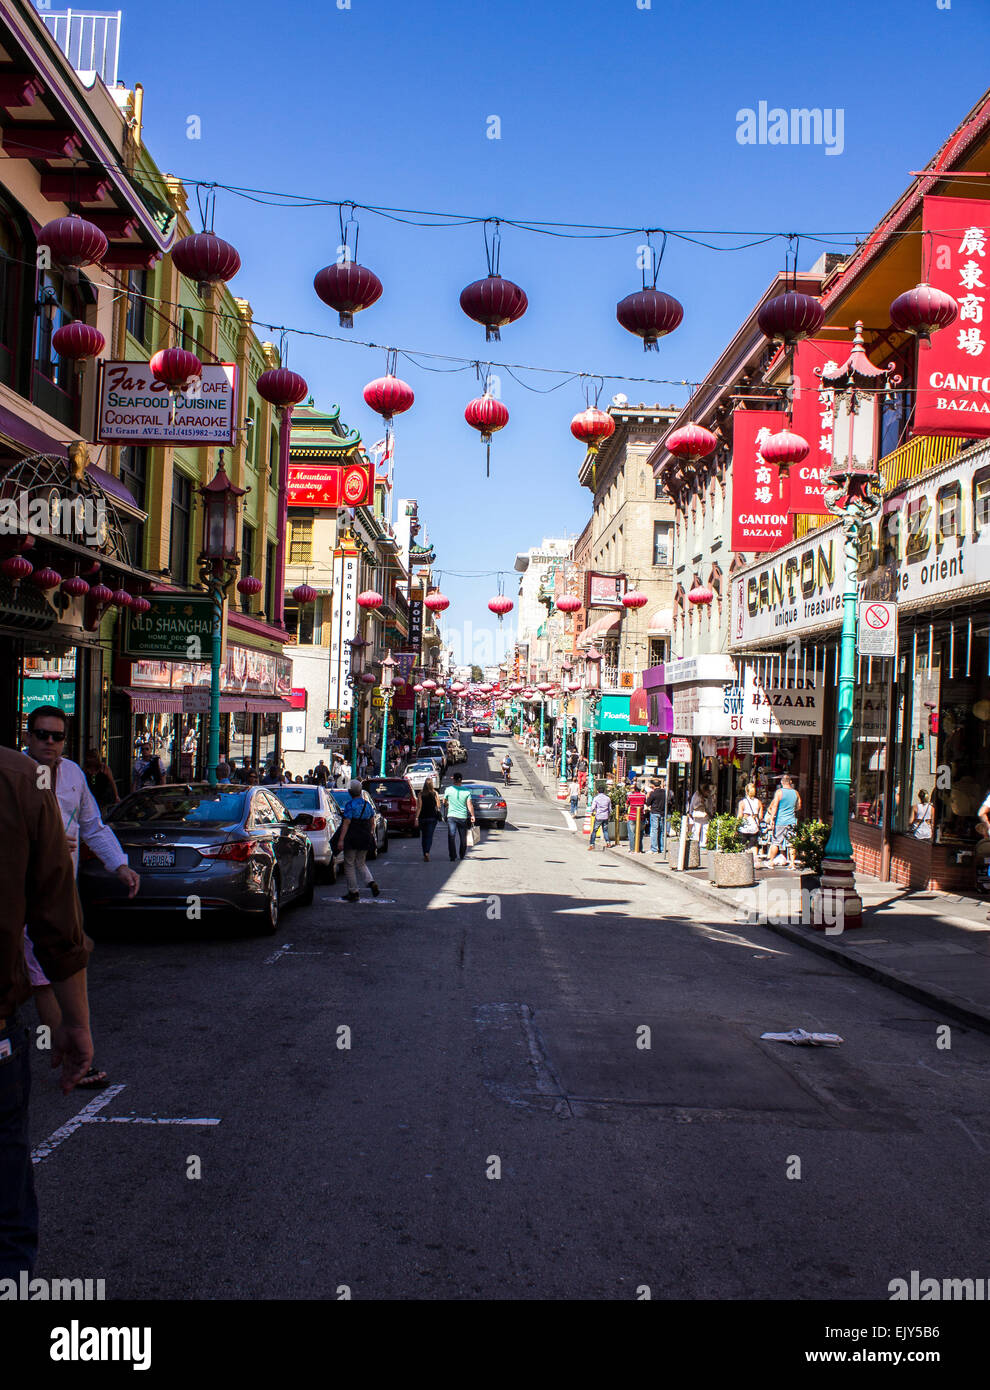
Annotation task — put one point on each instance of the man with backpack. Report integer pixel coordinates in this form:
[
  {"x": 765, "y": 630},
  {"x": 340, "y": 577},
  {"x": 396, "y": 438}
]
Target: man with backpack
[
  {"x": 601, "y": 811},
  {"x": 357, "y": 835}
]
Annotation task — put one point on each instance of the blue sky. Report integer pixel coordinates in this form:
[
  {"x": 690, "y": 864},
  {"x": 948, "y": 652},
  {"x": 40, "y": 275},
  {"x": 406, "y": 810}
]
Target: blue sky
[{"x": 609, "y": 114}]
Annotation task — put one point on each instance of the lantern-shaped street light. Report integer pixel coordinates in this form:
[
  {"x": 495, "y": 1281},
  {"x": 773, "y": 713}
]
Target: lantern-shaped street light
[
  {"x": 218, "y": 564},
  {"x": 853, "y": 493},
  {"x": 388, "y": 667}
]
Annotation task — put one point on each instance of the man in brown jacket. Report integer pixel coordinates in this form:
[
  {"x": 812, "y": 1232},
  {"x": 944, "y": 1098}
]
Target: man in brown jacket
[{"x": 39, "y": 888}]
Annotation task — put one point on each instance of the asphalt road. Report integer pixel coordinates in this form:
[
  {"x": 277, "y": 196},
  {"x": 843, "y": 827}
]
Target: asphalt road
[{"x": 495, "y": 1011}]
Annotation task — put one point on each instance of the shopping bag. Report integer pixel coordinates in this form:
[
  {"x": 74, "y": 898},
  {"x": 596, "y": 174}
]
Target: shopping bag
[{"x": 473, "y": 836}]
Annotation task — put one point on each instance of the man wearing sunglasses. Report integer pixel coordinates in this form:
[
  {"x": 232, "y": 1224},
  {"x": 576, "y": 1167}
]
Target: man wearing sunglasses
[{"x": 82, "y": 821}]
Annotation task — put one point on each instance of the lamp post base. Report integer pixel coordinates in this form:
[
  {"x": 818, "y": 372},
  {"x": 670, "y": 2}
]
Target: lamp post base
[{"x": 836, "y": 906}]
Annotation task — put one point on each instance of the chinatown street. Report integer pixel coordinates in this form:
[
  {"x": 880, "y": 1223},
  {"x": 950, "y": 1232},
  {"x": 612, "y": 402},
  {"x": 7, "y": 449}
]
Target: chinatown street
[{"x": 496, "y": 1128}]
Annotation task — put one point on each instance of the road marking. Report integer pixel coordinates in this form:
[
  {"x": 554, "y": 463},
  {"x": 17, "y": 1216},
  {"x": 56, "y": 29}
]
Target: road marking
[
  {"x": 282, "y": 950},
  {"x": 89, "y": 1115}
]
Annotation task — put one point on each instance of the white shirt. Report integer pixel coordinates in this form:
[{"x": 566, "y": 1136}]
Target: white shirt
[{"x": 81, "y": 817}]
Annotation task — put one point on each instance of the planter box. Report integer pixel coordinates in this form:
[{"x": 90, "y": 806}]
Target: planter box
[
  {"x": 733, "y": 870},
  {"x": 673, "y": 853}
]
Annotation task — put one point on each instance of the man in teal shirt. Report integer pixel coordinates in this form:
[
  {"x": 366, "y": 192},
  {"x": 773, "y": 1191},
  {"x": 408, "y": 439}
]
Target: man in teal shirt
[{"x": 460, "y": 811}]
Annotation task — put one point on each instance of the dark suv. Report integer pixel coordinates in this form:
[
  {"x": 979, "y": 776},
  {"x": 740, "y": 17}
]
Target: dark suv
[{"x": 396, "y": 800}]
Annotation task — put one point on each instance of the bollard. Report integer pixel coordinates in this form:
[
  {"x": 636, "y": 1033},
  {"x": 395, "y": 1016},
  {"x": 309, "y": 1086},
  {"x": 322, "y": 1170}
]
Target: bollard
[{"x": 639, "y": 830}]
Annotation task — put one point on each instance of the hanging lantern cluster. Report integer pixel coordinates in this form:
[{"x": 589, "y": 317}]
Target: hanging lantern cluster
[
  {"x": 388, "y": 396},
  {"x": 370, "y": 599},
  {"x": 77, "y": 341},
  {"x": 568, "y": 603},
  {"x": 493, "y": 301},
  {"x": 500, "y": 605},
  {"x": 347, "y": 286},
  {"x": 304, "y": 593},
  {"x": 175, "y": 368},
  {"x": 592, "y": 427},
  {"x": 249, "y": 585},
  {"x": 691, "y": 442},
  {"x": 702, "y": 594},
  {"x": 650, "y": 313},
  {"x": 782, "y": 450},
  {"x": 789, "y": 317}
]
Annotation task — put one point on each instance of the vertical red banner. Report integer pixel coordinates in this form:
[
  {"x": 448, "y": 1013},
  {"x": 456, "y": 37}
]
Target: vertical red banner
[
  {"x": 760, "y": 520},
  {"x": 954, "y": 373},
  {"x": 812, "y": 418}
]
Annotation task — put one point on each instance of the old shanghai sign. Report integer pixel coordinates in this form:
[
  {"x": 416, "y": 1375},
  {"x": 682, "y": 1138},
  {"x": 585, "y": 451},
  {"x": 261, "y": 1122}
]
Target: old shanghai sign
[
  {"x": 135, "y": 408},
  {"x": 331, "y": 485},
  {"x": 954, "y": 372},
  {"x": 760, "y": 519},
  {"x": 176, "y": 625}
]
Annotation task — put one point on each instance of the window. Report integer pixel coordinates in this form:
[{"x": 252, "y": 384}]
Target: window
[
  {"x": 137, "y": 318},
  {"x": 178, "y": 544},
  {"x": 663, "y": 550},
  {"x": 949, "y": 511},
  {"x": 247, "y": 562},
  {"x": 981, "y": 500},
  {"x": 12, "y": 253},
  {"x": 301, "y": 541},
  {"x": 134, "y": 476},
  {"x": 301, "y": 623},
  {"x": 270, "y": 581},
  {"x": 273, "y": 458},
  {"x": 56, "y": 381},
  {"x": 918, "y": 517},
  {"x": 187, "y": 332},
  {"x": 658, "y": 653}
]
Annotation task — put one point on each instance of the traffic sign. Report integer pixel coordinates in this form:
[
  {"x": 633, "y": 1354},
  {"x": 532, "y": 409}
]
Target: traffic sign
[
  {"x": 623, "y": 745},
  {"x": 680, "y": 750},
  {"x": 876, "y": 630}
]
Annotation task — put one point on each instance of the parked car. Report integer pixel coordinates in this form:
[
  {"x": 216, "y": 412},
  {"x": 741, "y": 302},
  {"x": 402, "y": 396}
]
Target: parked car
[
  {"x": 489, "y": 804},
  {"x": 483, "y": 729},
  {"x": 396, "y": 799},
  {"x": 230, "y": 848},
  {"x": 433, "y": 750},
  {"x": 416, "y": 773},
  {"x": 341, "y": 795},
  {"x": 317, "y": 803}
]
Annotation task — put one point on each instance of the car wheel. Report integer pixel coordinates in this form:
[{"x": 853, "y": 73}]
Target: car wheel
[
  {"x": 269, "y": 913},
  {"x": 309, "y": 882}
]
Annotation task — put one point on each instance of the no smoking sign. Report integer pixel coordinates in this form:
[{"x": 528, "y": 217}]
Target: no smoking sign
[{"x": 876, "y": 630}]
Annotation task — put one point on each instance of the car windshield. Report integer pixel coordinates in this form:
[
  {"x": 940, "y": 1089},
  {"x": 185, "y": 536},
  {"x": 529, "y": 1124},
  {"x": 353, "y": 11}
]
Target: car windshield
[
  {"x": 420, "y": 767},
  {"x": 182, "y": 805},
  {"x": 298, "y": 798},
  {"x": 388, "y": 786}
]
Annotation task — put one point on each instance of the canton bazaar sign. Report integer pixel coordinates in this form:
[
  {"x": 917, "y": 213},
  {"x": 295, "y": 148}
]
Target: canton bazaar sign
[
  {"x": 135, "y": 408},
  {"x": 760, "y": 519},
  {"x": 935, "y": 541}
]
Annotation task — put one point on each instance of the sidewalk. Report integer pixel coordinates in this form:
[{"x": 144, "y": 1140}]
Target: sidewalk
[{"x": 932, "y": 947}]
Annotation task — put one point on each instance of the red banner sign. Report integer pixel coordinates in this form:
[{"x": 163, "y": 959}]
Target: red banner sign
[
  {"x": 812, "y": 418},
  {"x": 760, "y": 520},
  {"x": 331, "y": 485},
  {"x": 954, "y": 373}
]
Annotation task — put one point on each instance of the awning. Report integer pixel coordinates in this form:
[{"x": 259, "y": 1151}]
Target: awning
[
  {"x": 153, "y": 701},
  {"x": 170, "y": 702},
  {"x": 661, "y": 623},
  {"x": 599, "y": 628}
]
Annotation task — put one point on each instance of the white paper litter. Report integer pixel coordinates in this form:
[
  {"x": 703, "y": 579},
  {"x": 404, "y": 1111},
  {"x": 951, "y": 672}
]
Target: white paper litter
[{"x": 800, "y": 1038}]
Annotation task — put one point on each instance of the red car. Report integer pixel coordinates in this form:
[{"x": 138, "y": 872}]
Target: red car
[
  {"x": 396, "y": 800},
  {"x": 482, "y": 729}
]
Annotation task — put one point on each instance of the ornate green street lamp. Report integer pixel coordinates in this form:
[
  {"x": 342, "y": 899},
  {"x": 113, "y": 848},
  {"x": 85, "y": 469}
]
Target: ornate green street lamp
[
  {"x": 357, "y": 644},
  {"x": 853, "y": 493},
  {"x": 218, "y": 563},
  {"x": 388, "y": 666}
]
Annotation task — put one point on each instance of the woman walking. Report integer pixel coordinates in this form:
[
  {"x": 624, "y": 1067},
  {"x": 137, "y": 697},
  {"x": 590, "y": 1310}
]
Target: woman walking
[
  {"x": 357, "y": 835},
  {"x": 750, "y": 813},
  {"x": 427, "y": 815}
]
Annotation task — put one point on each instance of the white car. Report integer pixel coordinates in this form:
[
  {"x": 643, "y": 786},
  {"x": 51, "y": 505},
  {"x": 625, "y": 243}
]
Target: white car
[
  {"x": 417, "y": 773},
  {"x": 318, "y": 803}
]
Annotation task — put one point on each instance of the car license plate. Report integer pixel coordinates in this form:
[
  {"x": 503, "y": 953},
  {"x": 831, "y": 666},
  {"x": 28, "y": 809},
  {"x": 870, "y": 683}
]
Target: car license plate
[
  {"x": 388, "y": 805},
  {"x": 158, "y": 858}
]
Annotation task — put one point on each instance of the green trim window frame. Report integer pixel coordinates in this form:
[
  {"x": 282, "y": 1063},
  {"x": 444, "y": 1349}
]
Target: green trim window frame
[
  {"x": 134, "y": 476},
  {"x": 247, "y": 563},
  {"x": 981, "y": 501},
  {"x": 137, "y": 305},
  {"x": 180, "y": 531}
]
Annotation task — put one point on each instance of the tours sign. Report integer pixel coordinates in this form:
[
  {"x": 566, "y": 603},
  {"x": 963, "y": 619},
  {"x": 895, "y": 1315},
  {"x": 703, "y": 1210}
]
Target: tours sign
[
  {"x": 954, "y": 370},
  {"x": 175, "y": 625}
]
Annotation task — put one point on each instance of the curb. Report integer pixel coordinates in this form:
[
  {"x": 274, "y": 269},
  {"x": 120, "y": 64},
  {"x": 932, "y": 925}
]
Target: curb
[{"x": 954, "y": 1005}]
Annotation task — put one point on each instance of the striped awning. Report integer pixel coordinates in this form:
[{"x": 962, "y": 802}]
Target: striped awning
[
  {"x": 599, "y": 628},
  {"x": 170, "y": 702},
  {"x": 661, "y": 623}
]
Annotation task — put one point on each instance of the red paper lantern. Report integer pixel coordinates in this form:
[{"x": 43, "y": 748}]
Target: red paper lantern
[
  {"x": 789, "y": 317},
  {"x": 206, "y": 258},
  {"x": 702, "y": 595},
  {"x": 568, "y": 603},
  {"x": 500, "y": 605},
  {"x": 436, "y": 602},
  {"x": 544, "y": 686},
  {"x": 16, "y": 568},
  {"x": 175, "y": 367},
  {"x": 367, "y": 677},
  {"x": 783, "y": 449},
  {"x": 73, "y": 242},
  {"x": 922, "y": 311},
  {"x": 369, "y": 599},
  {"x": 78, "y": 341},
  {"x": 304, "y": 593},
  {"x": 691, "y": 441},
  {"x": 249, "y": 585},
  {"x": 281, "y": 388},
  {"x": 388, "y": 396},
  {"x": 46, "y": 578},
  {"x": 120, "y": 598},
  {"x": 428, "y": 685},
  {"x": 100, "y": 595},
  {"x": 348, "y": 288},
  {"x": 494, "y": 302},
  {"x": 487, "y": 415},
  {"x": 76, "y": 587},
  {"x": 593, "y": 427},
  {"x": 650, "y": 314},
  {"x": 516, "y": 686},
  {"x": 634, "y": 599},
  {"x": 139, "y": 604}
]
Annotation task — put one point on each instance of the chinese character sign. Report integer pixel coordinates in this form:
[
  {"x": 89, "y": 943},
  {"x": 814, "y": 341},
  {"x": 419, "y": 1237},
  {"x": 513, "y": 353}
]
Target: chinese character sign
[
  {"x": 954, "y": 373},
  {"x": 760, "y": 519},
  {"x": 813, "y": 419},
  {"x": 343, "y": 625}
]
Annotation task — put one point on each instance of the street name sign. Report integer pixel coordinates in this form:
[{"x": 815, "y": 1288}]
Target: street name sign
[{"x": 623, "y": 745}]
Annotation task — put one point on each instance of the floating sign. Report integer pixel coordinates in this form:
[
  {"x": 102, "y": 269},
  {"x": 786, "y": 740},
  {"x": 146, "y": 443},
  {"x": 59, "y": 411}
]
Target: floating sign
[
  {"x": 760, "y": 519},
  {"x": 136, "y": 408},
  {"x": 331, "y": 485},
  {"x": 813, "y": 418},
  {"x": 179, "y": 625},
  {"x": 196, "y": 701},
  {"x": 680, "y": 750},
  {"x": 605, "y": 590},
  {"x": 876, "y": 629}
]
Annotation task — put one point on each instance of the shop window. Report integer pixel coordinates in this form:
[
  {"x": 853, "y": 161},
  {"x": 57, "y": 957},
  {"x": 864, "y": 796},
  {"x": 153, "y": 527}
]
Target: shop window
[
  {"x": 181, "y": 528},
  {"x": 134, "y": 476},
  {"x": 891, "y": 532},
  {"x": 869, "y": 761},
  {"x": 301, "y": 623},
  {"x": 663, "y": 549},
  {"x": 981, "y": 500},
  {"x": 270, "y": 580},
  {"x": 137, "y": 304},
  {"x": 918, "y": 528},
  {"x": 247, "y": 562},
  {"x": 897, "y": 407},
  {"x": 866, "y": 553},
  {"x": 948, "y": 503},
  {"x": 56, "y": 381},
  {"x": 273, "y": 458}
]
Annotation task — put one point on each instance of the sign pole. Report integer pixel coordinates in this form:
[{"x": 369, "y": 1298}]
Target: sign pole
[{"x": 213, "y": 755}]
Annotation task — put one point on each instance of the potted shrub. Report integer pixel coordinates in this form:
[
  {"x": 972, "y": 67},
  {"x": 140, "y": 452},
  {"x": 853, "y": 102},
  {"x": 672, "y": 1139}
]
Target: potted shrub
[
  {"x": 731, "y": 862},
  {"x": 810, "y": 839}
]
